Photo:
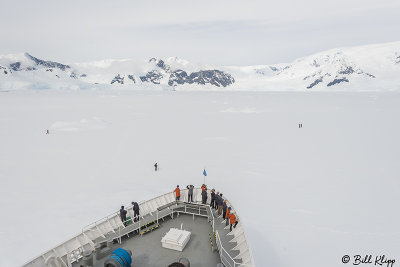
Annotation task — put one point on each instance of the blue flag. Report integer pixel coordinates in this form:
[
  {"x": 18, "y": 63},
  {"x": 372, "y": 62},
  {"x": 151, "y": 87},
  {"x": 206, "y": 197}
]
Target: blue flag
[{"x": 204, "y": 172}]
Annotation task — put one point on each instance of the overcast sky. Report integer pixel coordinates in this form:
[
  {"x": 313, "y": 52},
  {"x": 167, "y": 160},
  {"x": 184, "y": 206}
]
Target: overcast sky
[{"x": 215, "y": 32}]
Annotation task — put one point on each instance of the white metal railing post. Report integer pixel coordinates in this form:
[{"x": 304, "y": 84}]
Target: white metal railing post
[{"x": 119, "y": 234}]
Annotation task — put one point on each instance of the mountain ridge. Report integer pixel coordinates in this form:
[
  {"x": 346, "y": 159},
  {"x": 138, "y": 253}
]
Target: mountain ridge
[{"x": 370, "y": 67}]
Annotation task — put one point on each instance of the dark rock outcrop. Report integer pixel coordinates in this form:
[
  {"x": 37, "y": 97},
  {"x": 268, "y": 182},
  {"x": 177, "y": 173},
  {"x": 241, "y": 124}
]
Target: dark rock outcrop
[
  {"x": 131, "y": 77},
  {"x": 274, "y": 68},
  {"x": 152, "y": 76},
  {"x": 118, "y": 79},
  {"x": 4, "y": 70},
  {"x": 47, "y": 64},
  {"x": 161, "y": 64},
  {"x": 177, "y": 77},
  {"x": 314, "y": 83},
  {"x": 213, "y": 77},
  {"x": 16, "y": 66},
  {"x": 337, "y": 81},
  {"x": 346, "y": 70}
]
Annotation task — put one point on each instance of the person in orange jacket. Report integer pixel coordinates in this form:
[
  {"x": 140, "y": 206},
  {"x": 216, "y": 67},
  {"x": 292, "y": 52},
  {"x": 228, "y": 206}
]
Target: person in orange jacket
[
  {"x": 228, "y": 212},
  {"x": 177, "y": 192},
  {"x": 232, "y": 220}
]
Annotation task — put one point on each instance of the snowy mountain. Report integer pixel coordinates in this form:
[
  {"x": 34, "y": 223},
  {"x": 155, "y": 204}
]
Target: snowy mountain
[
  {"x": 372, "y": 67},
  {"x": 27, "y": 71}
]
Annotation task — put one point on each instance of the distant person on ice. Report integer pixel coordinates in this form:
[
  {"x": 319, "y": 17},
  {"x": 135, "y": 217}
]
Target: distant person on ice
[
  {"x": 122, "y": 213},
  {"x": 135, "y": 211},
  {"x": 155, "y": 166},
  {"x": 204, "y": 196},
  {"x": 190, "y": 192},
  {"x": 177, "y": 193},
  {"x": 47, "y": 131}
]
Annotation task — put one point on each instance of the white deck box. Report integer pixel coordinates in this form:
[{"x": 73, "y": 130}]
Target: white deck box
[{"x": 175, "y": 239}]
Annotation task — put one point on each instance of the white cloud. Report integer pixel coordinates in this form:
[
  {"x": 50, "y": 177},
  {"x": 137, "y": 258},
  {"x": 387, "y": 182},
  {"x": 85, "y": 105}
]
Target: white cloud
[{"x": 224, "y": 32}]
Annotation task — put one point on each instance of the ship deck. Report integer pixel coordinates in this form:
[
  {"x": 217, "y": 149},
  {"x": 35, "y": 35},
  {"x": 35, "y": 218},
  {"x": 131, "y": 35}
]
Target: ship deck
[
  {"x": 147, "y": 249},
  {"x": 210, "y": 241}
]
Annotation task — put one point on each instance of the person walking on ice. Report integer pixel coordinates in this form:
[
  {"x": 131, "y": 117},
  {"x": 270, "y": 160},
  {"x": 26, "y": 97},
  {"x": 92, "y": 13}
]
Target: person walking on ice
[
  {"x": 177, "y": 192},
  {"x": 47, "y": 131},
  {"x": 155, "y": 167}
]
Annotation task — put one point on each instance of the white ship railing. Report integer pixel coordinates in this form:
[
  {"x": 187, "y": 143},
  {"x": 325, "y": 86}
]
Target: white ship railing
[
  {"x": 71, "y": 250},
  {"x": 226, "y": 259}
]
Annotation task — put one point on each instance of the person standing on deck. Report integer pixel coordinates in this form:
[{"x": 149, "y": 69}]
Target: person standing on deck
[
  {"x": 122, "y": 213},
  {"x": 224, "y": 208},
  {"x": 204, "y": 196},
  {"x": 190, "y": 192},
  {"x": 177, "y": 193},
  {"x": 203, "y": 186},
  {"x": 155, "y": 166},
  {"x": 228, "y": 212},
  {"x": 212, "y": 204},
  {"x": 135, "y": 211},
  {"x": 220, "y": 204},
  {"x": 216, "y": 200},
  {"x": 232, "y": 220}
]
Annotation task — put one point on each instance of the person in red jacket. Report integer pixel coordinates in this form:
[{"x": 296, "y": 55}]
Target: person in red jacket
[
  {"x": 177, "y": 192},
  {"x": 232, "y": 220}
]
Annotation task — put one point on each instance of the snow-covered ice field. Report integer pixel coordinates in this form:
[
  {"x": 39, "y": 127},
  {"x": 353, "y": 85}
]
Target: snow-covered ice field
[{"x": 306, "y": 196}]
